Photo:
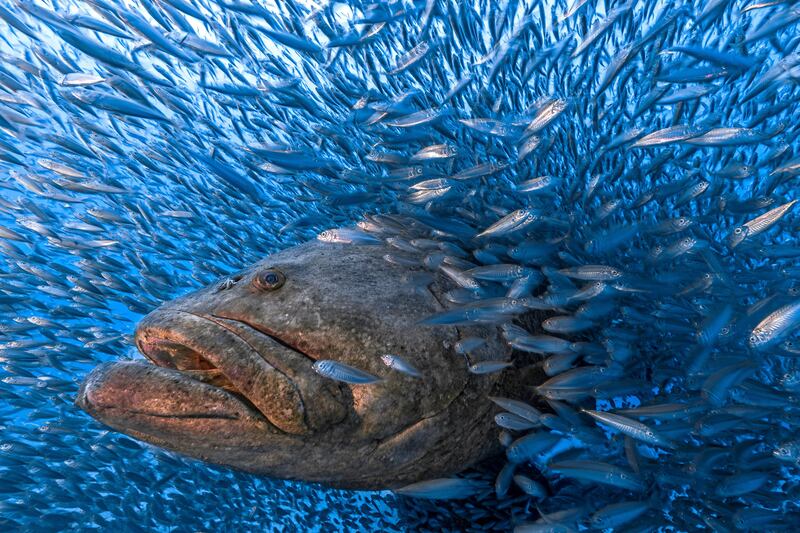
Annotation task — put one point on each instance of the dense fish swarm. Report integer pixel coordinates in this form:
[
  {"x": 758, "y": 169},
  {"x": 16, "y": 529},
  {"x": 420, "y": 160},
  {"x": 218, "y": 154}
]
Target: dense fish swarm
[{"x": 627, "y": 169}]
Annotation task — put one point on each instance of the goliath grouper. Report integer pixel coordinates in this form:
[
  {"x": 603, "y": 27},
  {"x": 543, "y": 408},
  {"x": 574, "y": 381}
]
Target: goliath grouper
[{"x": 233, "y": 383}]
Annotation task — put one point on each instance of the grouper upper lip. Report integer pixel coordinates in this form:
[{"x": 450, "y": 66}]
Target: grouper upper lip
[{"x": 229, "y": 354}]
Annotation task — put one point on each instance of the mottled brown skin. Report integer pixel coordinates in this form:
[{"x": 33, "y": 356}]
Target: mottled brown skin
[{"x": 233, "y": 382}]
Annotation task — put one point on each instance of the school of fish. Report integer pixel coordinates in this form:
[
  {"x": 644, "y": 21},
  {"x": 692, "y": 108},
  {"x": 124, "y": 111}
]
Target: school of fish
[{"x": 627, "y": 168}]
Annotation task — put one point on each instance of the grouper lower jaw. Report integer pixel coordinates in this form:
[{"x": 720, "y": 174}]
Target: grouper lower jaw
[
  {"x": 233, "y": 381},
  {"x": 168, "y": 405}
]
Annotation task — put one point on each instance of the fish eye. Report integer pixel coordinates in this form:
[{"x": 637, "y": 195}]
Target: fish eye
[
  {"x": 269, "y": 280},
  {"x": 737, "y": 231}
]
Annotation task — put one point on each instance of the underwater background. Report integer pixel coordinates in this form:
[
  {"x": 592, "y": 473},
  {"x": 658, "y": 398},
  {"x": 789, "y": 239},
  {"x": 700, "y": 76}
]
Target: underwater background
[{"x": 638, "y": 159}]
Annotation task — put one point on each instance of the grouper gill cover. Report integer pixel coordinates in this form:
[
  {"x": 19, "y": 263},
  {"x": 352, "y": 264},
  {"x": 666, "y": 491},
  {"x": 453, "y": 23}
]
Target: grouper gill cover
[{"x": 414, "y": 265}]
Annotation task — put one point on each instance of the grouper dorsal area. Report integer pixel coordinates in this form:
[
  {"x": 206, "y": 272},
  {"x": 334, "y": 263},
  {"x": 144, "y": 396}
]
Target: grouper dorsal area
[{"x": 231, "y": 379}]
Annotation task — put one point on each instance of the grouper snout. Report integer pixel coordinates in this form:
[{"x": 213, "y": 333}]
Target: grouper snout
[
  {"x": 229, "y": 374},
  {"x": 261, "y": 372}
]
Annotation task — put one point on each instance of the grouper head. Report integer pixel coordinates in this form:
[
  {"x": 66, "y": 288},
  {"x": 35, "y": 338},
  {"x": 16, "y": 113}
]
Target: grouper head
[{"x": 229, "y": 376}]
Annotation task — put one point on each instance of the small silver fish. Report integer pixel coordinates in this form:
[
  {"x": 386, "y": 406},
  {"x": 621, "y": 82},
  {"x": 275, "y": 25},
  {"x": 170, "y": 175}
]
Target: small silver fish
[
  {"x": 498, "y": 273},
  {"x": 396, "y": 362},
  {"x": 788, "y": 451},
  {"x": 342, "y": 372},
  {"x": 441, "y": 489},
  {"x": 758, "y": 224},
  {"x": 618, "y": 514},
  {"x": 531, "y": 445},
  {"x": 775, "y": 326},
  {"x": 513, "y": 422},
  {"x": 599, "y": 472},
  {"x": 511, "y": 222},
  {"x": 538, "y": 185},
  {"x": 592, "y": 273},
  {"x": 629, "y": 427},
  {"x": 517, "y": 407},
  {"x": 468, "y": 344},
  {"x": 546, "y": 114},
  {"x": 530, "y": 487},
  {"x": 488, "y": 367},
  {"x": 80, "y": 79},
  {"x": 347, "y": 236}
]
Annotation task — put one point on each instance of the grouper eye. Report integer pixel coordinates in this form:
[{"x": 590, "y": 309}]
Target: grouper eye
[{"x": 269, "y": 280}]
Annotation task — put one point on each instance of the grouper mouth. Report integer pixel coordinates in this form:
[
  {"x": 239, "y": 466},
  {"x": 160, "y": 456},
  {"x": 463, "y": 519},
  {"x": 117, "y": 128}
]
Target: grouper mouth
[
  {"x": 203, "y": 369},
  {"x": 189, "y": 360}
]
